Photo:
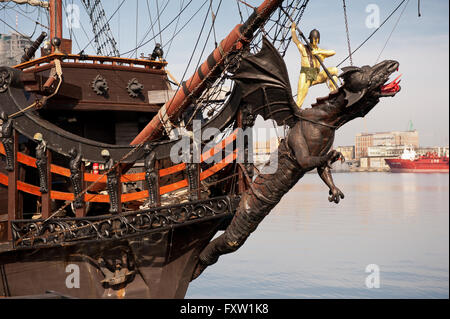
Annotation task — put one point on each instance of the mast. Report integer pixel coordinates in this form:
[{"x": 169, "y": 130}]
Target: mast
[
  {"x": 193, "y": 88},
  {"x": 55, "y": 19}
]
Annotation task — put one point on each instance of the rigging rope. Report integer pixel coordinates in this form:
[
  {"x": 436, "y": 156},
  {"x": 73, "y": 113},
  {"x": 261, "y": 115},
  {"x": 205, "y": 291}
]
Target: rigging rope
[
  {"x": 348, "y": 33},
  {"x": 373, "y": 33},
  {"x": 146, "y": 42},
  {"x": 105, "y": 25},
  {"x": 137, "y": 26},
  {"x": 23, "y": 35},
  {"x": 240, "y": 12},
  {"x": 395, "y": 27},
  {"x": 151, "y": 27},
  {"x": 213, "y": 18},
  {"x": 159, "y": 21},
  {"x": 174, "y": 31}
]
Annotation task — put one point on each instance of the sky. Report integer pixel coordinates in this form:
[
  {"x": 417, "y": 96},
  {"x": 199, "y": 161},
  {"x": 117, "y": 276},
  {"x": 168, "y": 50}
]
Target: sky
[{"x": 421, "y": 45}]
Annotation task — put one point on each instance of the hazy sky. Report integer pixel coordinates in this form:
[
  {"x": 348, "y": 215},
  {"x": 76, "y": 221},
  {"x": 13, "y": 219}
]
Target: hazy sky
[{"x": 421, "y": 45}]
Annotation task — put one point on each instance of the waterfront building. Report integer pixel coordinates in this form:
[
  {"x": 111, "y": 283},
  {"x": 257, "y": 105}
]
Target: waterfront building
[
  {"x": 12, "y": 48},
  {"x": 394, "y": 138}
]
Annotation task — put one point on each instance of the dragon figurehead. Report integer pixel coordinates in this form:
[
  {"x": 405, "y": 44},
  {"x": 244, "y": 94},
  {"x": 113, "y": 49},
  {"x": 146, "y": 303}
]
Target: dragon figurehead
[
  {"x": 364, "y": 86},
  {"x": 264, "y": 83}
]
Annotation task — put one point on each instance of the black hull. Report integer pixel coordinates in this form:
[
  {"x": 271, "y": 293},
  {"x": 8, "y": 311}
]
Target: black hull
[
  {"x": 142, "y": 254},
  {"x": 163, "y": 263}
]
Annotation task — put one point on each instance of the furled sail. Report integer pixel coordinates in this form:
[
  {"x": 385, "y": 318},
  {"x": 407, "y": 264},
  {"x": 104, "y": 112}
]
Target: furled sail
[{"x": 36, "y": 3}]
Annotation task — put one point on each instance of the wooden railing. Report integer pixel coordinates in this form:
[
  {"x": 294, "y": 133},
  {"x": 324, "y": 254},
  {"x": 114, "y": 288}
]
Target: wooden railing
[
  {"x": 15, "y": 185},
  {"x": 148, "y": 64}
]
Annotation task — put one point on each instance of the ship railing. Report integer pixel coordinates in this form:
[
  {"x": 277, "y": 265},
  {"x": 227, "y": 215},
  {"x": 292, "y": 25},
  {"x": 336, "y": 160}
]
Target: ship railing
[
  {"x": 170, "y": 179},
  {"x": 75, "y": 58}
]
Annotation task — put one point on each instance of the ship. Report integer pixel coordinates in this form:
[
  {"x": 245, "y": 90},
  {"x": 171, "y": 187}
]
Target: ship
[
  {"x": 88, "y": 186},
  {"x": 106, "y": 191},
  {"x": 410, "y": 162}
]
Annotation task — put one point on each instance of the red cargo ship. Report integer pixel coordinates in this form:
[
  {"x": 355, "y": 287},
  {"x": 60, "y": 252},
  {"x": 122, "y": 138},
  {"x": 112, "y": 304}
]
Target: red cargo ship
[{"x": 411, "y": 163}]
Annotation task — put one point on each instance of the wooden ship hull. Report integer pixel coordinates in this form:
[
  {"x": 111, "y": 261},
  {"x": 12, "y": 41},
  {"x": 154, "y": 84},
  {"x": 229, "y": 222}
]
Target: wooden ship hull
[
  {"x": 155, "y": 263},
  {"x": 149, "y": 246}
]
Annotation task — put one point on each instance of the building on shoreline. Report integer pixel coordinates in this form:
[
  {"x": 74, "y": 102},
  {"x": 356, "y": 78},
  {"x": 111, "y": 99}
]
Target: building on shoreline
[
  {"x": 364, "y": 141},
  {"x": 12, "y": 48}
]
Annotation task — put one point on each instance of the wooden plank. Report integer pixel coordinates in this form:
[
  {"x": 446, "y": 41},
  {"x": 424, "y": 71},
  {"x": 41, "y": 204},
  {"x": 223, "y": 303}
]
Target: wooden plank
[
  {"x": 173, "y": 187},
  {"x": 29, "y": 189},
  {"x": 85, "y": 105},
  {"x": 219, "y": 166},
  {"x": 89, "y": 177},
  {"x": 117, "y": 60},
  {"x": 136, "y": 177},
  {"x": 130, "y": 197},
  {"x": 172, "y": 170}
]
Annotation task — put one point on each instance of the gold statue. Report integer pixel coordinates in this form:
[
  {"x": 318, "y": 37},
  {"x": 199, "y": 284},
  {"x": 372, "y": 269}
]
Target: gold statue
[{"x": 310, "y": 73}]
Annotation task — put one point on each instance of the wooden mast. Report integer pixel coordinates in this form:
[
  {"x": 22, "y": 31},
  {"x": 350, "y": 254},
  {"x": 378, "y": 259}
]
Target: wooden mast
[
  {"x": 194, "y": 87},
  {"x": 55, "y": 19}
]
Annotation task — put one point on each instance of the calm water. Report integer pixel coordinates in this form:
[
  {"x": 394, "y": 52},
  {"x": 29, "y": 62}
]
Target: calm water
[{"x": 310, "y": 248}]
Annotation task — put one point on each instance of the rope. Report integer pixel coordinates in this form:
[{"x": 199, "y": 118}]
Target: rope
[
  {"x": 95, "y": 36},
  {"x": 23, "y": 35},
  {"x": 174, "y": 31},
  {"x": 373, "y": 33},
  {"x": 213, "y": 21},
  {"x": 144, "y": 43},
  {"x": 243, "y": 2},
  {"x": 40, "y": 103},
  {"x": 390, "y": 35},
  {"x": 348, "y": 33},
  {"x": 137, "y": 26}
]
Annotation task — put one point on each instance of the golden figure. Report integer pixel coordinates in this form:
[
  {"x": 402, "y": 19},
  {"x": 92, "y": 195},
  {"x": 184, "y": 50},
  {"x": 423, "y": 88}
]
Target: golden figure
[{"x": 310, "y": 73}]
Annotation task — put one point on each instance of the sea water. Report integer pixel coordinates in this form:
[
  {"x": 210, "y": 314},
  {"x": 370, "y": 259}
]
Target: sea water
[{"x": 389, "y": 238}]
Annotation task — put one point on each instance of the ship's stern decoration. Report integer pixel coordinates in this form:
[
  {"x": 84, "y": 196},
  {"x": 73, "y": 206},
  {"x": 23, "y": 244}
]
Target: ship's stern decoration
[
  {"x": 42, "y": 162},
  {"x": 264, "y": 82},
  {"x": 6, "y": 136},
  {"x": 75, "y": 176},
  {"x": 112, "y": 183},
  {"x": 151, "y": 176}
]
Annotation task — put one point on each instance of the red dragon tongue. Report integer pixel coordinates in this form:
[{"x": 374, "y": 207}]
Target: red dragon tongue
[{"x": 392, "y": 87}]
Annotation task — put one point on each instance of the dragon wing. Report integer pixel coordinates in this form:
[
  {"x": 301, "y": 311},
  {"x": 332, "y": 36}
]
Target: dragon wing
[{"x": 265, "y": 86}]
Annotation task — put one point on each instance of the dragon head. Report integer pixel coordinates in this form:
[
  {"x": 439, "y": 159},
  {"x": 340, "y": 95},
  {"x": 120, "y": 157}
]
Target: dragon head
[{"x": 365, "y": 86}]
